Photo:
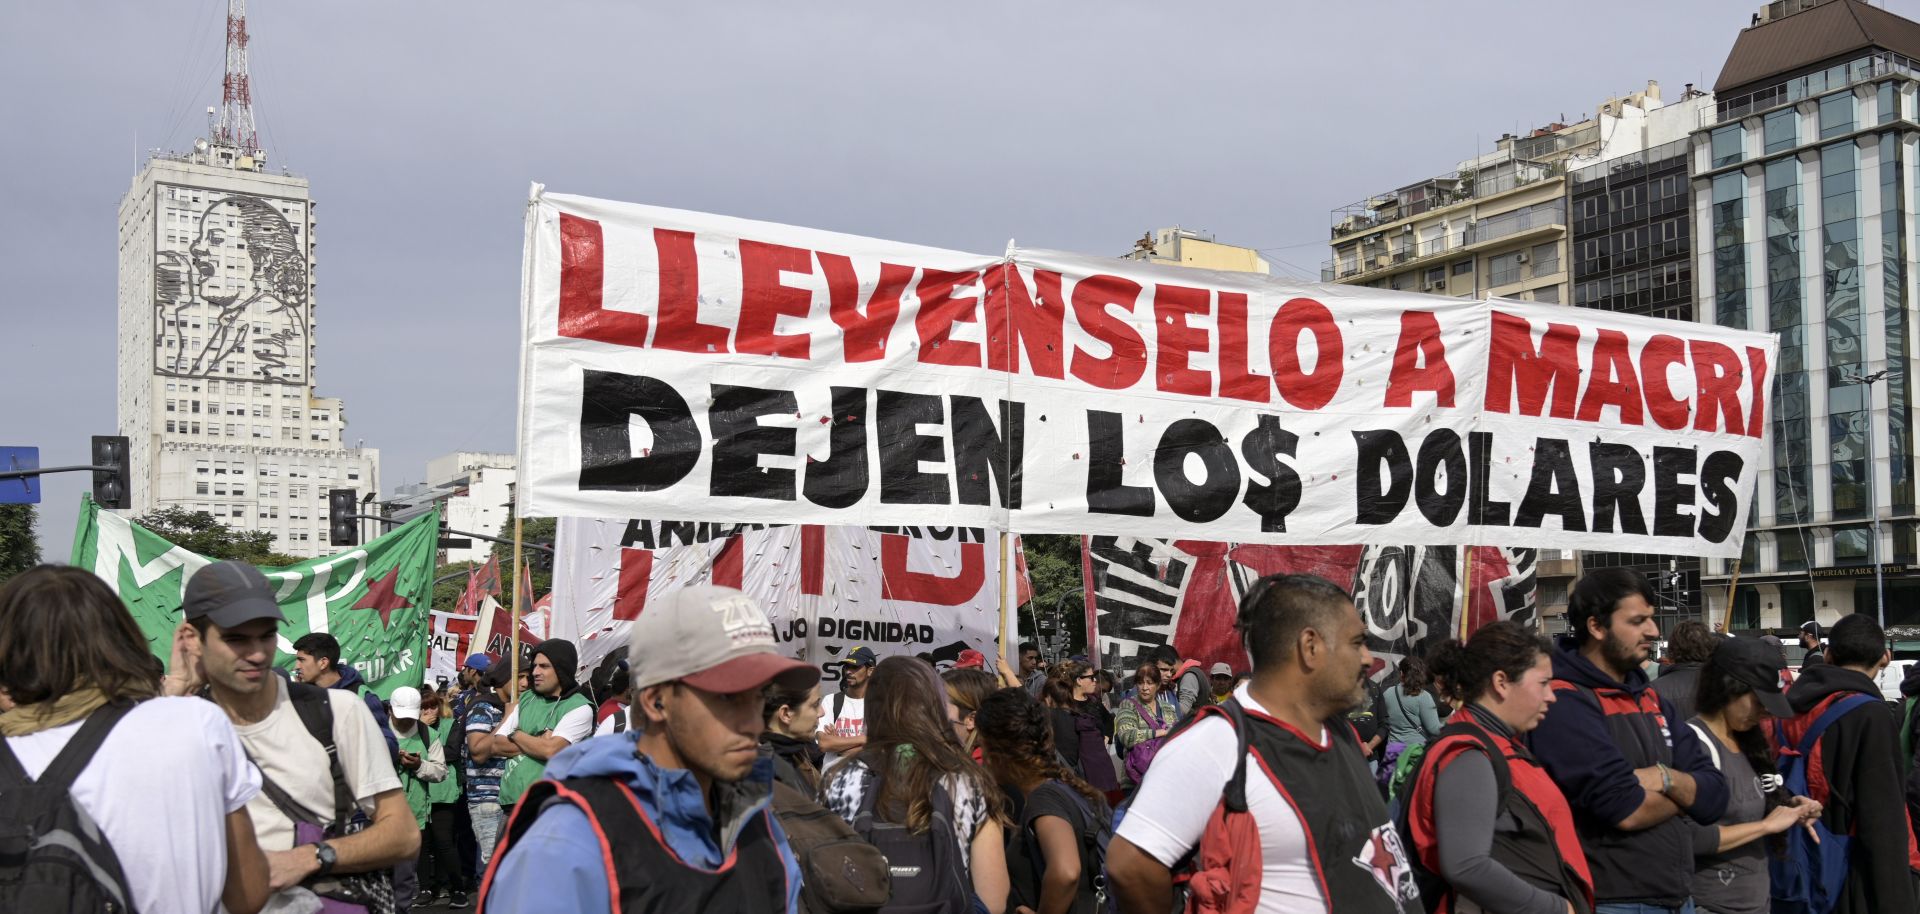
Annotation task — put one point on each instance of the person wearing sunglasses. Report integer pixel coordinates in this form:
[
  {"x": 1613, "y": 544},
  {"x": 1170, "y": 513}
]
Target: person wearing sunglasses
[{"x": 1077, "y": 732}]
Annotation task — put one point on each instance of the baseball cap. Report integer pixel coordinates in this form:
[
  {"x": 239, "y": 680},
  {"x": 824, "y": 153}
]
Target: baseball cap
[
  {"x": 478, "y": 662},
  {"x": 971, "y": 659},
  {"x": 230, "y": 594},
  {"x": 712, "y": 638},
  {"x": 861, "y": 656},
  {"x": 1221, "y": 669},
  {"x": 405, "y": 703},
  {"x": 1750, "y": 661},
  {"x": 1810, "y": 627}
]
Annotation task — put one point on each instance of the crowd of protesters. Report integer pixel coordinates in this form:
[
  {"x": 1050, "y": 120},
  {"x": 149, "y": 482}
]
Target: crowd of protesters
[{"x": 707, "y": 771}]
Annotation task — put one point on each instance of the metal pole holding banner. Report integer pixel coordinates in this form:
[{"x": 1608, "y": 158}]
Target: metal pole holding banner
[
  {"x": 518, "y": 571},
  {"x": 1726, "y": 615}
]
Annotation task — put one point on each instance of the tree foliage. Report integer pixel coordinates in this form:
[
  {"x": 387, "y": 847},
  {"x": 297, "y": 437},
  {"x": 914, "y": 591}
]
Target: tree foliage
[
  {"x": 446, "y": 594},
  {"x": 1053, "y": 565},
  {"x": 19, "y": 548},
  {"x": 534, "y": 530},
  {"x": 198, "y": 531}
]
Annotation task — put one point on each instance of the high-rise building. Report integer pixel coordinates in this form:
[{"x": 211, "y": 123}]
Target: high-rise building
[
  {"x": 472, "y": 490},
  {"x": 217, "y": 313},
  {"x": 1632, "y": 243},
  {"x": 1803, "y": 199}
]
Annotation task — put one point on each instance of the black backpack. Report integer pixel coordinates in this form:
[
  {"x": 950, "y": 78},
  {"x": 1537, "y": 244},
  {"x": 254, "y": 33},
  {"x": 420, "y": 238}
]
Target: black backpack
[
  {"x": 926, "y": 869},
  {"x": 53, "y": 857},
  {"x": 1095, "y": 831}
]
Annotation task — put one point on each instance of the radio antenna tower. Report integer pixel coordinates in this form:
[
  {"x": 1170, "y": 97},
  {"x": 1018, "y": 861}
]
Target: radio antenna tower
[{"x": 236, "y": 95}]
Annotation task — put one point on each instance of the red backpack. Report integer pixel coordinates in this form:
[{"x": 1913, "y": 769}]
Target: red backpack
[{"x": 1222, "y": 874}]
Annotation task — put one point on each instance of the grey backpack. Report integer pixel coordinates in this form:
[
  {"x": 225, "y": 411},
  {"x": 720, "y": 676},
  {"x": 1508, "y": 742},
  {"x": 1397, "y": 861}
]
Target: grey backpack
[{"x": 53, "y": 858}]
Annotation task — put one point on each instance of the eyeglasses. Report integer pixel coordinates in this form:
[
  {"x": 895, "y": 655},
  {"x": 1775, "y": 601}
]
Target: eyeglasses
[{"x": 1084, "y": 676}]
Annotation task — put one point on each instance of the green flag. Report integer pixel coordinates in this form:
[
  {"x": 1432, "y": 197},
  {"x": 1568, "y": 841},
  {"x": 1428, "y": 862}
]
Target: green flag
[{"x": 373, "y": 598}]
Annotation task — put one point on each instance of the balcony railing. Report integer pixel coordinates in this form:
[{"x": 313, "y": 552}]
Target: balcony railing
[
  {"x": 1442, "y": 191},
  {"x": 1391, "y": 256},
  {"x": 1840, "y": 76}
]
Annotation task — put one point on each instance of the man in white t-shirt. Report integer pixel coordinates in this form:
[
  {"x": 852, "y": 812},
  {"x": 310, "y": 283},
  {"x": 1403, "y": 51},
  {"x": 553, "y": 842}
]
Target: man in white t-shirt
[
  {"x": 843, "y": 721},
  {"x": 232, "y": 625},
  {"x": 166, "y": 783},
  {"x": 1320, "y": 821}
]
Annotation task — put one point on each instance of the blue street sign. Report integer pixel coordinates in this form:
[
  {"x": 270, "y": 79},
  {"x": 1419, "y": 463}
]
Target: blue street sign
[{"x": 24, "y": 490}]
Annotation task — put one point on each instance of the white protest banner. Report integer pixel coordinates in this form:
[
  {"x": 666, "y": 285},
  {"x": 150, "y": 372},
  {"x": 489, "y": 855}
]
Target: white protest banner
[
  {"x": 678, "y": 364},
  {"x": 827, "y": 590},
  {"x": 449, "y": 646}
]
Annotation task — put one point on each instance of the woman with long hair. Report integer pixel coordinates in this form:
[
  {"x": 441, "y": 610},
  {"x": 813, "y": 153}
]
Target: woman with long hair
[
  {"x": 1739, "y": 691},
  {"x": 1047, "y": 864},
  {"x": 167, "y": 780},
  {"x": 966, "y": 689},
  {"x": 1076, "y": 728},
  {"x": 1502, "y": 850},
  {"x": 1142, "y": 721},
  {"x": 1413, "y": 716},
  {"x": 791, "y": 717},
  {"x": 912, "y": 771}
]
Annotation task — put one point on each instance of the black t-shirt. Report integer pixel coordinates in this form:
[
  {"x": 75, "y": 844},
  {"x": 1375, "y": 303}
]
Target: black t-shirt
[
  {"x": 1369, "y": 717},
  {"x": 1026, "y": 862}
]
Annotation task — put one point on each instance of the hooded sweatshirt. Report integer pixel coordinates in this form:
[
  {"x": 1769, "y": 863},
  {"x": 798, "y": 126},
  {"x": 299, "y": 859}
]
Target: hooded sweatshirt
[
  {"x": 1593, "y": 738},
  {"x": 556, "y": 865},
  {"x": 351, "y": 681},
  {"x": 1860, "y": 760},
  {"x": 537, "y": 713}
]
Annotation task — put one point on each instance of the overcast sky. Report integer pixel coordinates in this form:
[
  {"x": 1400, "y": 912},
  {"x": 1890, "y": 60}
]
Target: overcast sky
[{"x": 1076, "y": 126}]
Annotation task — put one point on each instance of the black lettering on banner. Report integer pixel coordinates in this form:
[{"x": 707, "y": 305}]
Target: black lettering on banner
[
  {"x": 903, "y": 448},
  {"x": 1373, "y": 503},
  {"x": 1133, "y": 600},
  {"x": 608, "y": 402},
  {"x": 1669, "y": 494},
  {"x": 1440, "y": 450},
  {"x": 979, "y": 450},
  {"x": 639, "y": 535},
  {"x": 840, "y": 481},
  {"x": 739, "y": 440},
  {"x": 1717, "y": 475},
  {"x": 1208, "y": 499},
  {"x": 1619, "y": 473},
  {"x": 679, "y": 532},
  {"x": 1554, "y": 488},
  {"x": 1106, "y": 494},
  {"x": 1262, "y": 448},
  {"x": 1485, "y": 511}
]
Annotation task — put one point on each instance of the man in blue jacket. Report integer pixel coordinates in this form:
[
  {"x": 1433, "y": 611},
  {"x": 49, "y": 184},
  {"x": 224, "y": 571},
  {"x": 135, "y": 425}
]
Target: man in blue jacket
[
  {"x": 655, "y": 812},
  {"x": 316, "y": 660},
  {"x": 1627, "y": 765}
]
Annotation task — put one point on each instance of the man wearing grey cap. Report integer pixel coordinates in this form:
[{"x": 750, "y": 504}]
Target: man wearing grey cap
[
  {"x": 655, "y": 812},
  {"x": 227, "y": 645}
]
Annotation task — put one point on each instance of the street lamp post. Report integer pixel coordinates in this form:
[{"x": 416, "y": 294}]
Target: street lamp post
[{"x": 1873, "y": 499}]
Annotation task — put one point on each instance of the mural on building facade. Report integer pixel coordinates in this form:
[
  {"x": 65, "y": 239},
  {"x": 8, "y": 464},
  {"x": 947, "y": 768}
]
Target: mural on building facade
[{"x": 234, "y": 303}]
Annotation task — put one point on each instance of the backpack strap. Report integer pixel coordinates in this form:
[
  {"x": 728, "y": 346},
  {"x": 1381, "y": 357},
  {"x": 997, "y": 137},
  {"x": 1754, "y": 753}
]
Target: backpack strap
[
  {"x": 1496, "y": 754},
  {"x": 1713, "y": 745},
  {"x": 74, "y": 756},
  {"x": 1833, "y": 713},
  {"x": 839, "y": 701}
]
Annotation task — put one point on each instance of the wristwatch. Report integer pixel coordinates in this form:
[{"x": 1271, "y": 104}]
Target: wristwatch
[{"x": 323, "y": 852}]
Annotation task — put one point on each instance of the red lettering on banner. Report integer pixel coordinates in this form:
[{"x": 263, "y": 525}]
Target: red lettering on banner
[
  {"x": 630, "y": 595},
  {"x": 1175, "y": 339},
  {"x": 1016, "y": 323},
  {"x": 898, "y": 582},
  {"x": 939, "y": 311},
  {"x": 1756, "y": 379},
  {"x": 863, "y": 333},
  {"x": 1302, "y": 389},
  {"x": 813, "y": 560},
  {"x": 680, "y": 326},
  {"x": 1717, "y": 369},
  {"x": 1612, "y": 381},
  {"x": 764, "y": 299},
  {"x": 1515, "y": 368},
  {"x": 729, "y": 566},
  {"x": 583, "y": 274},
  {"x": 1091, "y": 298},
  {"x": 1419, "y": 361},
  {"x": 1659, "y": 354},
  {"x": 1236, "y": 380}
]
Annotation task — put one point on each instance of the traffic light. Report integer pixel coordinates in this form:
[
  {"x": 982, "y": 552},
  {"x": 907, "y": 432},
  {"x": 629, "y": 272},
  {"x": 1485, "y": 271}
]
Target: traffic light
[
  {"x": 342, "y": 528},
  {"x": 113, "y": 485}
]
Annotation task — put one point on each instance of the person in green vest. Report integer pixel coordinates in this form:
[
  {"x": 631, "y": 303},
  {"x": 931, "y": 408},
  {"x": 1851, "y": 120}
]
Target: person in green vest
[
  {"x": 422, "y": 764},
  {"x": 552, "y": 715},
  {"x": 443, "y": 877}
]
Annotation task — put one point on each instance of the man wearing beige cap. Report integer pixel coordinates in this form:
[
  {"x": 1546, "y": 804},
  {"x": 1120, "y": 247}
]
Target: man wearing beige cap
[{"x": 657, "y": 812}]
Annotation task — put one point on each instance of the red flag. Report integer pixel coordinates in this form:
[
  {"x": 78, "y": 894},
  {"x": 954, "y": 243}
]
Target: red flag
[{"x": 483, "y": 582}]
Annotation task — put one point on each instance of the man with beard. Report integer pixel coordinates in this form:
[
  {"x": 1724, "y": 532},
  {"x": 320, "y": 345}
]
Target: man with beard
[
  {"x": 1619, "y": 753},
  {"x": 1324, "y": 840},
  {"x": 550, "y": 717}
]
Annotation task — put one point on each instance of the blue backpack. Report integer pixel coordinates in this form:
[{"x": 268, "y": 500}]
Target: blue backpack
[{"x": 1810, "y": 877}]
